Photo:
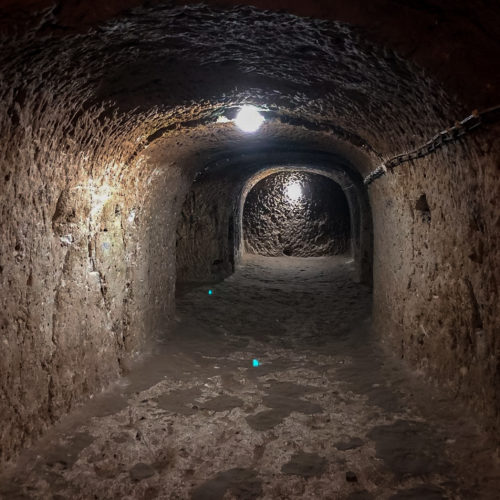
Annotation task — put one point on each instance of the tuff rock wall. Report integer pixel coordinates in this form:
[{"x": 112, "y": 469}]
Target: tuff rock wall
[
  {"x": 296, "y": 214},
  {"x": 437, "y": 268},
  {"x": 104, "y": 129},
  {"x": 205, "y": 231}
]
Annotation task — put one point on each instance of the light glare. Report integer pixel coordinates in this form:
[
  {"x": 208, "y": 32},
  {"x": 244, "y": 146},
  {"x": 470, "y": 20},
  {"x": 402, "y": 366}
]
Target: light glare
[
  {"x": 249, "y": 119},
  {"x": 293, "y": 191}
]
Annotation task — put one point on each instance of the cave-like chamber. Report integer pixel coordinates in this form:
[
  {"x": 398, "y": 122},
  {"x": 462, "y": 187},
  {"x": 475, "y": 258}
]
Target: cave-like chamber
[{"x": 125, "y": 236}]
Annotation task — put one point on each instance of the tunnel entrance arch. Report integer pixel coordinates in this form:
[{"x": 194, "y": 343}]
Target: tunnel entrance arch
[
  {"x": 209, "y": 230},
  {"x": 360, "y": 231},
  {"x": 209, "y": 236}
]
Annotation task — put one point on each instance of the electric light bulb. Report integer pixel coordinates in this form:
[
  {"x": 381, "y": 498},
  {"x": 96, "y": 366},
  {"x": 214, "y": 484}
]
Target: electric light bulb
[{"x": 249, "y": 119}]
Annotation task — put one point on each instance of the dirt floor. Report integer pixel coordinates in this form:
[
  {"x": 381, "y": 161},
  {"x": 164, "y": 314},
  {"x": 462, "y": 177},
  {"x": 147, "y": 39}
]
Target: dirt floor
[{"x": 327, "y": 414}]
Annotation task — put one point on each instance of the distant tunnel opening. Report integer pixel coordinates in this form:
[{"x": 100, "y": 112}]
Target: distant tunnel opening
[{"x": 296, "y": 214}]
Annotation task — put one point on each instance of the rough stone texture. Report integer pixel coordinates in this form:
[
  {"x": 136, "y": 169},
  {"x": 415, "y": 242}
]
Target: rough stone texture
[
  {"x": 159, "y": 434},
  {"x": 210, "y": 231},
  {"x": 442, "y": 301},
  {"x": 205, "y": 232},
  {"x": 441, "y": 36},
  {"x": 102, "y": 133},
  {"x": 314, "y": 223}
]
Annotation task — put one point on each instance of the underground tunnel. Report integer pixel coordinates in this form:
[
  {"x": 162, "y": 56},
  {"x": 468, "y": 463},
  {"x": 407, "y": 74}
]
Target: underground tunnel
[{"x": 249, "y": 249}]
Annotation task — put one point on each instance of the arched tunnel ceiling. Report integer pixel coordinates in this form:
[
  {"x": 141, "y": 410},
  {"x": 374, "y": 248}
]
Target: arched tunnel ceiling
[
  {"x": 221, "y": 149},
  {"x": 442, "y": 36},
  {"x": 169, "y": 67}
]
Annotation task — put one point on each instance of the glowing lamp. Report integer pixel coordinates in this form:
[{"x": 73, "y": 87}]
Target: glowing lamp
[{"x": 249, "y": 119}]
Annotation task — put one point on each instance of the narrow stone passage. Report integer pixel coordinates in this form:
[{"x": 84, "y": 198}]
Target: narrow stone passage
[{"x": 325, "y": 414}]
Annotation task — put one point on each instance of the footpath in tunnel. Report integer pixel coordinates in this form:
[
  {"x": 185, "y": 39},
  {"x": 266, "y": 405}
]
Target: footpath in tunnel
[{"x": 326, "y": 414}]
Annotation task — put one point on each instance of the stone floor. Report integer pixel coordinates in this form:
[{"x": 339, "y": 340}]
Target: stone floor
[{"x": 327, "y": 414}]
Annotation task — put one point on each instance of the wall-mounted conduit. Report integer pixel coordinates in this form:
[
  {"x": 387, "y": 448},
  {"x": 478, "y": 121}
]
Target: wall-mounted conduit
[{"x": 452, "y": 134}]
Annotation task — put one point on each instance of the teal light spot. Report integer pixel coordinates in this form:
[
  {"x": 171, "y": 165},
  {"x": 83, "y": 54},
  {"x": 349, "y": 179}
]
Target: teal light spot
[
  {"x": 210, "y": 292},
  {"x": 255, "y": 362}
]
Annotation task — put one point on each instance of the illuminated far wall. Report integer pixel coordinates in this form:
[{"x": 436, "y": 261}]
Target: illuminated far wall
[{"x": 296, "y": 214}]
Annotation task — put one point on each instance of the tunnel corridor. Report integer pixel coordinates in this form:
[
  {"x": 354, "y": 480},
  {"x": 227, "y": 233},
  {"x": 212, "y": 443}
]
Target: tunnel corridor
[
  {"x": 249, "y": 249},
  {"x": 326, "y": 413}
]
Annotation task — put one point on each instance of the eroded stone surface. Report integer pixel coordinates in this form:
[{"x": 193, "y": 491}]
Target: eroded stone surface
[
  {"x": 175, "y": 401},
  {"x": 141, "y": 471},
  {"x": 426, "y": 444},
  {"x": 267, "y": 419},
  {"x": 222, "y": 403},
  {"x": 296, "y": 214},
  {"x": 349, "y": 444},
  {"x": 305, "y": 465},
  {"x": 241, "y": 483},
  {"x": 102, "y": 134}
]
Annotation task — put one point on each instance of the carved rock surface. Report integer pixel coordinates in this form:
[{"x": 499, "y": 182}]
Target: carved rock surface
[
  {"x": 296, "y": 214},
  {"x": 104, "y": 132}
]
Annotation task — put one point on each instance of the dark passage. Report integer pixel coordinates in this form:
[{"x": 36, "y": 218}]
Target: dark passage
[{"x": 299, "y": 214}]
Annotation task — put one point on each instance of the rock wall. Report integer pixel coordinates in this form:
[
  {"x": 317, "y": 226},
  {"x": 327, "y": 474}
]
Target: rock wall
[
  {"x": 69, "y": 264},
  {"x": 205, "y": 232},
  {"x": 296, "y": 214},
  {"x": 437, "y": 268},
  {"x": 103, "y": 131},
  {"x": 81, "y": 285}
]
